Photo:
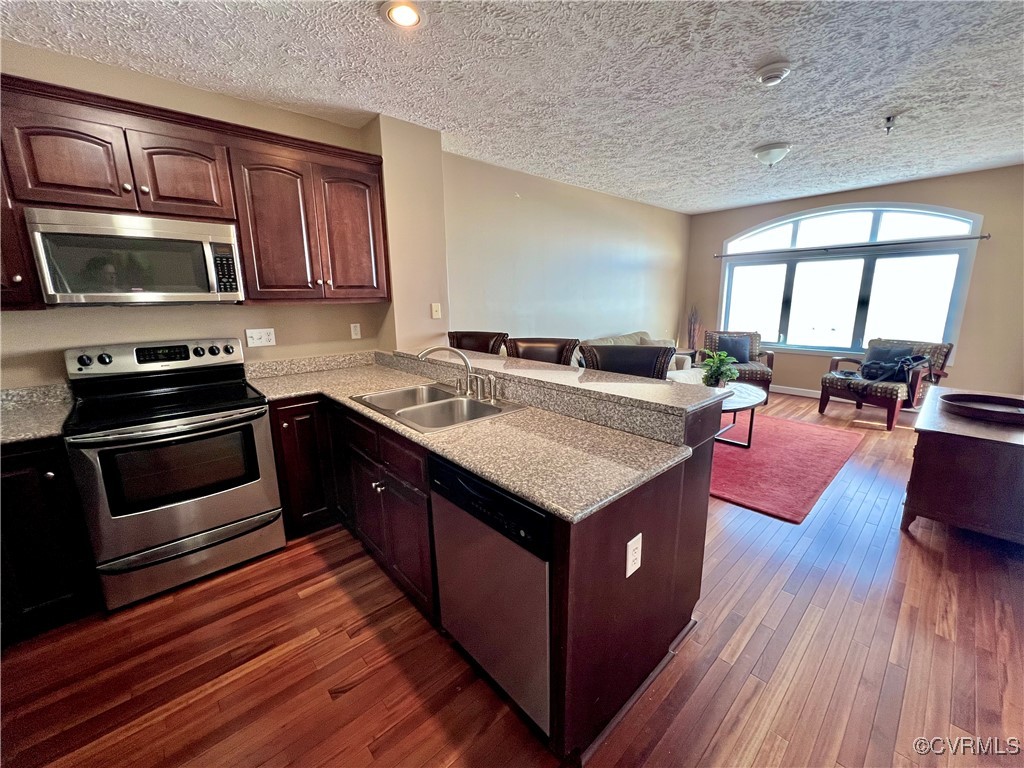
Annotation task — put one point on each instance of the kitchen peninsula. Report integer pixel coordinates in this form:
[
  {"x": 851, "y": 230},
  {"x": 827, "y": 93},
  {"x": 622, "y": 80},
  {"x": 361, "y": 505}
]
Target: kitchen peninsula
[{"x": 605, "y": 457}]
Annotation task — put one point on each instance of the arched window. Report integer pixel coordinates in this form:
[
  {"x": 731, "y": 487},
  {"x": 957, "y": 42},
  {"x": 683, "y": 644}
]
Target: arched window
[{"x": 834, "y": 278}]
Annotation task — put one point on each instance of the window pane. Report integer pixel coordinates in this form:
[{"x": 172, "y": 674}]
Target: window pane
[
  {"x": 835, "y": 229},
  {"x": 755, "y": 299},
  {"x": 910, "y": 297},
  {"x": 768, "y": 240},
  {"x": 899, "y": 225},
  {"x": 825, "y": 302}
]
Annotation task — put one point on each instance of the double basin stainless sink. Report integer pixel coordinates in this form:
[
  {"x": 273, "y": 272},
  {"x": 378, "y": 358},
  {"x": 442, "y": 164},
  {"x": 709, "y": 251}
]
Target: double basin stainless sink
[{"x": 433, "y": 407}]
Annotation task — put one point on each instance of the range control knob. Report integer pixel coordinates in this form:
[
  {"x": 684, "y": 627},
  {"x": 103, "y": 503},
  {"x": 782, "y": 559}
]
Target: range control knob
[
  {"x": 229, "y": 349},
  {"x": 198, "y": 351},
  {"x": 104, "y": 359},
  {"x": 214, "y": 350},
  {"x": 84, "y": 360}
]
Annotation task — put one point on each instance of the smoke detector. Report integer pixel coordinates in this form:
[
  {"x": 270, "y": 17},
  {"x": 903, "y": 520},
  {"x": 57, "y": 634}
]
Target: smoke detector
[
  {"x": 771, "y": 154},
  {"x": 773, "y": 74}
]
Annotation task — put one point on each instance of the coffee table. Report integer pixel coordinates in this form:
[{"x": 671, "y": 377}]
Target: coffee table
[{"x": 744, "y": 397}]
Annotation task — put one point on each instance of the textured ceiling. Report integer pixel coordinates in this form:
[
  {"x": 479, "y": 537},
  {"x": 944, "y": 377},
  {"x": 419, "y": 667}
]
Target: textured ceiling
[{"x": 654, "y": 101}]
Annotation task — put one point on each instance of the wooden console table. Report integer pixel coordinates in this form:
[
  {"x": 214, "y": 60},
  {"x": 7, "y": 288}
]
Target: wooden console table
[{"x": 966, "y": 473}]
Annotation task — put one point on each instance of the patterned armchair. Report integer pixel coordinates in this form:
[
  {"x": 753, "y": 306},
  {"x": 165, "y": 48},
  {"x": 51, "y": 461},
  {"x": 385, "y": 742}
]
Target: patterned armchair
[
  {"x": 891, "y": 395},
  {"x": 755, "y": 372}
]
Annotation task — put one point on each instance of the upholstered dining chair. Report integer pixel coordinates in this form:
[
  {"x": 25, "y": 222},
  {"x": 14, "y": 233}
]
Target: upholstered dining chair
[
  {"x": 635, "y": 360},
  {"x": 477, "y": 341},
  {"x": 558, "y": 351},
  {"x": 751, "y": 369},
  {"x": 891, "y": 395}
]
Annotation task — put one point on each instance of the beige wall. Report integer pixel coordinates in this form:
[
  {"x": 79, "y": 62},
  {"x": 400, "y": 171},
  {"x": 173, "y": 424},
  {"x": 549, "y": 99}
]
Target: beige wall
[
  {"x": 31, "y": 343},
  {"x": 414, "y": 197},
  {"x": 538, "y": 258},
  {"x": 990, "y": 350}
]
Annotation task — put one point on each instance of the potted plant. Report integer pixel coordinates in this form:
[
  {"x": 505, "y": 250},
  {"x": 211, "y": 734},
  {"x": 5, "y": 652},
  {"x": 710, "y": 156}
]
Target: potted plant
[{"x": 718, "y": 368}]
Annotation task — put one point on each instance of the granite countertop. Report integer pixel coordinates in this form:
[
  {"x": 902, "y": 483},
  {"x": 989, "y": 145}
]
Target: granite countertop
[
  {"x": 934, "y": 418},
  {"x": 33, "y": 413},
  {"x": 568, "y": 467}
]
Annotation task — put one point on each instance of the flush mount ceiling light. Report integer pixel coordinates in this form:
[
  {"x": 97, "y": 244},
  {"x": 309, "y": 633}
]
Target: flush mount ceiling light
[
  {"x": 770, "y": 154},
  {"x": 773, "y": 74},
  {"x": 401, "y": 13}
]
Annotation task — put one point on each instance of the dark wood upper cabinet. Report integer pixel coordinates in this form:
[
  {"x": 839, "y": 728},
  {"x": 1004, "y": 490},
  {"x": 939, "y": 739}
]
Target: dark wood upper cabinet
[
  {"x": 19, "y": 285},
  {"x": 277, "y": 226},
  {"x": 64, "y": 160},
  {"x": 351, "y": 230},
  {"x": 181, "y": 177}
]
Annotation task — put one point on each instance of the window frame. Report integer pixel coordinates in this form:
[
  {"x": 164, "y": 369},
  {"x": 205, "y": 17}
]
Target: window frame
[{"x": 870, "y": 251}]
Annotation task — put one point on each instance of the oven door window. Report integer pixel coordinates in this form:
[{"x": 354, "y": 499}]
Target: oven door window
[
  {"x": 106, "y": 264},
  {"x": 143, "y": 477}
]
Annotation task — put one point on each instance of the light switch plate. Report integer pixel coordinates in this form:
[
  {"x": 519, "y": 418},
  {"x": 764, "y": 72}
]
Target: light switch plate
[
  {"x": 435, "y": 311},
  {"x": 633, "y": 547},
  {"x": 260, "y": 337},
  {"x": 357, "y": 330}
]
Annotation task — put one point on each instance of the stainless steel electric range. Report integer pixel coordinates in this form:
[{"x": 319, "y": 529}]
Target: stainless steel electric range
[{"x": 172, "y": 454}]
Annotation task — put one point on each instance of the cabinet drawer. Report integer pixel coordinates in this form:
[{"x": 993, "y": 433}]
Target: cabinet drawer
[
  {"x": 404, "y": 459},
  {"x": 362, "y": 435}
]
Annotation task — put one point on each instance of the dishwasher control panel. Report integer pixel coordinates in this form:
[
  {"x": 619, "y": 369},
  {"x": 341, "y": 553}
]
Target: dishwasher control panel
[{"x": 513, "y": 518}]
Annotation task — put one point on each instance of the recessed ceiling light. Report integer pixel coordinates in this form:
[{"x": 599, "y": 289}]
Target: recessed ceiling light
[
  {"x": 401, "y": 13},
  {"x": 773, "y": 74},
  {"x": 770, "y": 154}
]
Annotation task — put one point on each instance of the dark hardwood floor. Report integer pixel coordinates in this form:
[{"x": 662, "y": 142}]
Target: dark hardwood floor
[{"x": 835, "y": 642}]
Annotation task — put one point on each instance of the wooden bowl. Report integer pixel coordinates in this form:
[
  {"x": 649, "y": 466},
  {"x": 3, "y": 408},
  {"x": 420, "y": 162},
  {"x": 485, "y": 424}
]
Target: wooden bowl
[{"x": 1002, "y": 409}]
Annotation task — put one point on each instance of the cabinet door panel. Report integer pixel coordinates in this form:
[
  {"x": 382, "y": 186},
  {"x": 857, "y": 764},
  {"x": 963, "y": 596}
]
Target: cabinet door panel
[
  {"x": 408, "y": 519},
  {"x": 277, "y": 226},
  {"x": 19, "y": 284},
  {"x": 47, "y": 571},
  {"x": 186, "y": 178},
  {"x": 369, "y": 514},
  {"x": 55, "y": 159},
  {"x": 299, "y": 443},
  {"x": 350, "y": 224}
]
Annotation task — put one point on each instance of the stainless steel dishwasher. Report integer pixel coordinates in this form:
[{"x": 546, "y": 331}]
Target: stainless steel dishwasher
[{"x": 493, "y": 559}]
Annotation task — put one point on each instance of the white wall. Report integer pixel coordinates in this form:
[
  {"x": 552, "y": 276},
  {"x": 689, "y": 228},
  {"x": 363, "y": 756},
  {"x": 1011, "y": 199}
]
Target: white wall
[{"x": 539, "y": 258}]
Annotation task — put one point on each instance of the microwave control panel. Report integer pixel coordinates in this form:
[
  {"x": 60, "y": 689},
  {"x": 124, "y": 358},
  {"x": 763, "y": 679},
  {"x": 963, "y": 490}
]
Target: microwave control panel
[{"x": 224, "y": 268}]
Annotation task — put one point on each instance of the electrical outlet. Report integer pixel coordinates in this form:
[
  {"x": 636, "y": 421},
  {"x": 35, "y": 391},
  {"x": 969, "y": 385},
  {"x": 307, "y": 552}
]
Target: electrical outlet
[
  {"x": 633, "y": 547},
  {"x": 357, "y": 331},
  {"x": 260, "y": 337},
  {"x": 435, "y": 311}
]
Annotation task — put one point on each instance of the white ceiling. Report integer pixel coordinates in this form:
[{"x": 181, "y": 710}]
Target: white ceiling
[{"x": 653, "y": 101}]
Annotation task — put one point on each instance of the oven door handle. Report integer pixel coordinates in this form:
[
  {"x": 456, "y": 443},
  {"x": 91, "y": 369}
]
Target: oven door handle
[{"x": 180, "y": 426}]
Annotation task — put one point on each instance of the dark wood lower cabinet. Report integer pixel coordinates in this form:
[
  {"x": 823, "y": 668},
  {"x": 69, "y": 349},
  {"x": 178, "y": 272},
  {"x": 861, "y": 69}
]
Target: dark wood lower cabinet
[
  {"x": 47, "y": 570},
  {"x": 391, "y": 511},
  {"x": 302, "y": 449}
]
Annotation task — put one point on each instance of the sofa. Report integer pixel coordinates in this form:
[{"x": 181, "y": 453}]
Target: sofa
[{"x": 680, "y": 369}]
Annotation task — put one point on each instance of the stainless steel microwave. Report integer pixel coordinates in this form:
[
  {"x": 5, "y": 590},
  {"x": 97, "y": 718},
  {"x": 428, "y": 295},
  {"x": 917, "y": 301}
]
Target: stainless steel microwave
[{"x": 118, "y": 258}]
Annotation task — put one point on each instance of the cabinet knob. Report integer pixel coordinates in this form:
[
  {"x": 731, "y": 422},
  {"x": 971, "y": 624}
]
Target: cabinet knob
[
  {"x": 126, "y": 187},
  {"x": 378, "y": 487},
  {"x": 319, "y": 282},
  {"x": 49, "y": 475},
  {"x": 284, "y": 425},
  {"x": 144, "y": 189},
  {"x": 330, "y": 283},
  {"x": 17, "y": 279}
]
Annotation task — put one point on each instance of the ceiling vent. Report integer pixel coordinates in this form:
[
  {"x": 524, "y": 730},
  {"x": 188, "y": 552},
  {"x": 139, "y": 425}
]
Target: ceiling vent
[{"x": 773, "y": 74}]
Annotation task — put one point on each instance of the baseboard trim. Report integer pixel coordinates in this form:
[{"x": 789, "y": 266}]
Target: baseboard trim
[{"x": 812, "y": 393}]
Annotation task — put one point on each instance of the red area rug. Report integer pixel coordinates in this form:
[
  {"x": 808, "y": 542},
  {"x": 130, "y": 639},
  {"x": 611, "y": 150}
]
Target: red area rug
[{"x": 786, "y": 469}]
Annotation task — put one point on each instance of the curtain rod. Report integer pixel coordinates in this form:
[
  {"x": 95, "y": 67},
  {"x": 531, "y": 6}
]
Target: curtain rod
[{"x": 861, "y": 246}]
